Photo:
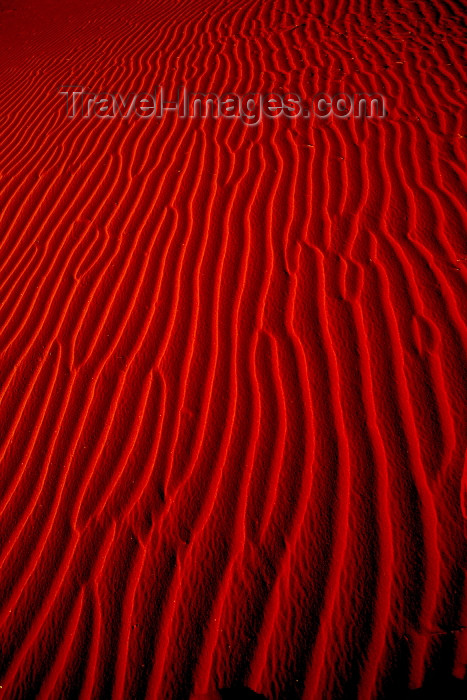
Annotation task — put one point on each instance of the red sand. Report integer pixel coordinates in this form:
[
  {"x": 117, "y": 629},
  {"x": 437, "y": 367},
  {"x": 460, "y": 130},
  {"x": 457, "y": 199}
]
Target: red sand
[{"x": 233, "y": 398}]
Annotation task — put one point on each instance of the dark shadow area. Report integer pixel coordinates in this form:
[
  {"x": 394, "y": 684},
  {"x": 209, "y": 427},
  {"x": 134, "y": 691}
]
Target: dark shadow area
[
  {"x": 240, "y": 693},
  {"x": 440, "y": 687}
]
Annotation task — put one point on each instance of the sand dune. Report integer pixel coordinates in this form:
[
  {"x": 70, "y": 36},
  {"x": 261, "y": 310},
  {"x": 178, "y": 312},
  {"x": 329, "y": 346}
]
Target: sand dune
[{"x": 233, "y": 379}]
